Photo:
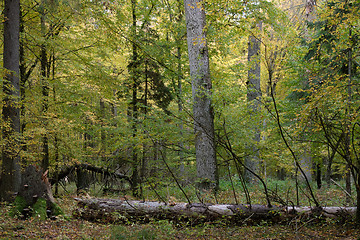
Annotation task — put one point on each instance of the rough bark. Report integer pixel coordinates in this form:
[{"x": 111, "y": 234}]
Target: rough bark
[
  {"x": 44, "y": 85},
  {"x": 103, "y": 209},
  {"x": 10, "y": 170},
  {"x": 96, "y": 209},
  {"x": 82, "y": 180},
  {"x": 35, "y": 196},
  {"x": 201, "y": 91},
  {"x": 133, "y": 107},
  {"x": 306, "y": 163},
  {"x": 35, "y": 185},
  {"x": 178, "y": 41},
  {"x": 254, "y": 92}
]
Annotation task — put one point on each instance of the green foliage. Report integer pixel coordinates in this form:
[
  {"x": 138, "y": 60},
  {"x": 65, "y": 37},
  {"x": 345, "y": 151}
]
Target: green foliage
[
  {"x": 39, "y": 209},
  {"x": 18, "y": 205},
  {"x": 121, "y": 232},
  {"x": 56, "y": 210}
]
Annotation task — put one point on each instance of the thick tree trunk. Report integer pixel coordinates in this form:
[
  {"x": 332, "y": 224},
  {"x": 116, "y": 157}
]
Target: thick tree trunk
[
  {"x": 94, "y": 209},
  {"x": 45, "y": 89},
  {"x": 330, "y": 161},
  {"x": 135, "y": 178},
  {"x": 35, "y": 195},
  {"x": 254, "y": 92},
  {"x": 306, "y": 163},
  {"x": 103, "y": 209},
  {"x": 179, "y": 88},
  {"x": 201, "y": 91},
  {"x": 35, "y": 185},
  {"x": 10, "y": 170},
  {"x": 82, "y": 180}
]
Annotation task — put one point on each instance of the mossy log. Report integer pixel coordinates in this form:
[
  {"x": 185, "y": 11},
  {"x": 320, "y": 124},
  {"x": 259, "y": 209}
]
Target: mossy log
[{"x": 117, "y": 210}]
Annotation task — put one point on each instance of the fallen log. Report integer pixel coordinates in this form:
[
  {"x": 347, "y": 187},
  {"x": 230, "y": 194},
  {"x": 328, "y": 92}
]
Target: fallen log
[
  {"x": 325, "y": 211},
  {"x": 69, "y": 169},
  {"x": 120, "y": 210}
]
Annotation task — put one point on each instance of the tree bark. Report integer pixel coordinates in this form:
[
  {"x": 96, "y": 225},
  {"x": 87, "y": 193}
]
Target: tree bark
[
  {"x": 178, "y": 41},
  {"x": 135, "y": 178},
  {"x": 45, "y": 89},
  {"x": 201, "y": 91},
  {"x": 11, "y": 170},
  {"x": 306, "y": 163},
  {"x": 82, "y": 180},
  {"x": 35, "y": 185},
  {"x": 102, "y": 209},
  {"x": 254, "y": 92}
]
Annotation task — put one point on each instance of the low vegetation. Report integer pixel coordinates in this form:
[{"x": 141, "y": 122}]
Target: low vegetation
[{"x": 67, "y": 226}]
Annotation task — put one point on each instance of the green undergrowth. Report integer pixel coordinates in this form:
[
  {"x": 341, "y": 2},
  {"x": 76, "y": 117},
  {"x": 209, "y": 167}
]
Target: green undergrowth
[
  {"x": 71, "y": 228},
  {"x": 39, "y": 209},
  {"x": 331, "y": 195},
  {"x": 18, "y": 205}
]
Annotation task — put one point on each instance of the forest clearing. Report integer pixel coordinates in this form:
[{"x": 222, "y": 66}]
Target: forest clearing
[{"x": 180, "y": 119}]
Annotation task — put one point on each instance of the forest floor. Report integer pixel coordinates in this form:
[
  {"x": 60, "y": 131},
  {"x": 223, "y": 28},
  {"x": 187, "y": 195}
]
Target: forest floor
[{"x": 70, "y": 228}]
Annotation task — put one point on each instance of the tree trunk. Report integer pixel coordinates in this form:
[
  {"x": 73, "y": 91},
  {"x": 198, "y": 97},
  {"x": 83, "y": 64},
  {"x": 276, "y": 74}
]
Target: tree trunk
[
  {"x": 82, "y": 182},
  {"x": 179, "y": 89},
  {"x": 357, "y": 179},
  {"x": 201, "y": 91},
  {"x": 45, "y": 88},
  {"x": 135, "y": 178},
  {"x": 35, "y": 195},
  {"x": 102, "y": 149},
  {"x": 254, "y": 92},
  {"x": 103, "y": 209},
  {"x": 306, "y": 163},
  {"x": 11, "y": 170},
  {"x": 330, "y": 159},
  {"x": 35, "y": 185}
]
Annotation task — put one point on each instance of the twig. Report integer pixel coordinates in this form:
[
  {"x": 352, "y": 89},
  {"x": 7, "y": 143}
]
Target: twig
[{"x": 344, "y": 190}]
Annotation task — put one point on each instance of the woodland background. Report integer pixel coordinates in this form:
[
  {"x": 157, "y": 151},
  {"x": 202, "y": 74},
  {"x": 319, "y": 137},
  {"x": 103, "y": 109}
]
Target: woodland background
[{"x": 105, "y": 100}]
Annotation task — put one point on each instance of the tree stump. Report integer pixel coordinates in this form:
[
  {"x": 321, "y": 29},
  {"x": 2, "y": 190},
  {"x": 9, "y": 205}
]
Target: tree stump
[{"x": 35, "y": 195}]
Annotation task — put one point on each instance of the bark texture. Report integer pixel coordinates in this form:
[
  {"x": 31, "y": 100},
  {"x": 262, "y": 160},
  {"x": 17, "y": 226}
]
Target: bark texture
[
  {"x": 253, "y": 94},
  {"x": 201, "y": 92},
  {"x": 10, "y": 171},
  {"x": 98, "y": 209},
  {"x": 104, "y": 209},
  {"x": 35, "y": 185}
]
